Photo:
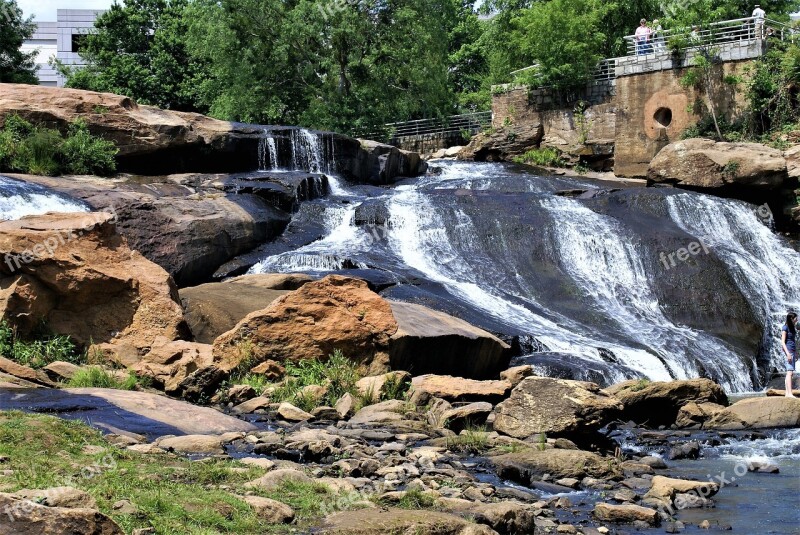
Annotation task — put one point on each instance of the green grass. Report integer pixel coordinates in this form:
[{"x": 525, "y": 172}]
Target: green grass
[
  {"x": 38, "y": 353},
  {"x": 640, "y": 385},
  {"x": 471, "y": 440},
  {"x": 172, "y": 494},
  {"x": 97, "y": 377},
  {"x": 546, "y": 157},
  {"x": 413, "y": 499}
]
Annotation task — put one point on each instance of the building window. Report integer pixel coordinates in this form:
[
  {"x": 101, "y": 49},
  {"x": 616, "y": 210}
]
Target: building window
[{"x": 78, "y": 42}]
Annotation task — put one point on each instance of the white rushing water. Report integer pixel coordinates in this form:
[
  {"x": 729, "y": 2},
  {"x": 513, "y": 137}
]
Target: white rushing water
[
  {"x": 596, "y": 253},
  {"x": 763, "y": 265},
  {"x": 19, "y": 199}
]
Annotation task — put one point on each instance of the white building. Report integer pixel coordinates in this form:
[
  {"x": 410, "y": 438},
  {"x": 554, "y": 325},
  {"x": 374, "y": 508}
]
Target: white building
[{"x": 60, "y": 39}]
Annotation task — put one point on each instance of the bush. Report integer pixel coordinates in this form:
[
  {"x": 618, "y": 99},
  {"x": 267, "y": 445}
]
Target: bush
[
  {"x": 546, "y": 157},
  {"x": 40, "y": 352},
  {"x": 85, "y": 154},
  {"x": 97, "y": 377},
  {"x": 338, "y": 375},
  {"x": 44, "y": 151}
]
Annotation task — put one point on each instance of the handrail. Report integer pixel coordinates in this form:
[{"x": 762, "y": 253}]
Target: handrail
[
  {"x": 726, "y": 31},
  {"x": 471, "y": 122}
]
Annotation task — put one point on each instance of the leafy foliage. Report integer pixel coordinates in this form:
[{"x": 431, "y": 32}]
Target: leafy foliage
[
  {"x": 98, "y": 377},
  {"x": 44, "y": 151},
  {"x": 546, "y": 157},
  {"x": 16, "y": 66}
]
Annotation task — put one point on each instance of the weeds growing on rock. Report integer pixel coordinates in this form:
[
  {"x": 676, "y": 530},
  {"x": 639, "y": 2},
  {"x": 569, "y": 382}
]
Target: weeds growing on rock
[
  {"x": 97, "y": 377},
  {"x": 546, "y": 157},
  {"x": 470, "y": 440},
  {"x": 40, "y": 352}
]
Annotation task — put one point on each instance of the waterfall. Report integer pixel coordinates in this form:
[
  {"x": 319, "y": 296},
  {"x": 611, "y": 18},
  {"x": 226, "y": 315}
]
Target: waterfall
[
  {"x": 267, "y": 153},
  {"x": 19, "y": 199},
  {"x": 497, "y": 245},
  {"x": 762, "y": 264}
]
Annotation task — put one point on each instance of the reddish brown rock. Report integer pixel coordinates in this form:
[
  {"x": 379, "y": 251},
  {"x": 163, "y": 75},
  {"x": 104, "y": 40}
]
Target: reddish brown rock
[
  {"x": 335, "y": 313},
  {"x": 460, "y": 389},
  {"x": 91, "y": 287}
]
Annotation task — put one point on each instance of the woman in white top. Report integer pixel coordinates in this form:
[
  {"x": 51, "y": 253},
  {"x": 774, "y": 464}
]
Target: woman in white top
[{"x": 642, "y": 37}]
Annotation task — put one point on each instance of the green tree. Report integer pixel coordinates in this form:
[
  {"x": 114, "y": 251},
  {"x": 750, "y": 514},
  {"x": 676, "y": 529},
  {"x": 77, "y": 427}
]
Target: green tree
[
  {"x": 15, "y": 66},
  {"x": 139, "y": 49}
]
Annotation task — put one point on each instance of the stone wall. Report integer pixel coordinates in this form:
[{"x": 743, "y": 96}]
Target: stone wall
[
  {"x": 628, "y": 120},
  {"x": 653, "y": 110}
]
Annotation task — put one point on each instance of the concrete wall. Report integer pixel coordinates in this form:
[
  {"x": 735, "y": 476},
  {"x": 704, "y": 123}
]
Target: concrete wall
[
  {"x": 644, "y": 100},
  {"x": 631, "y": 119}
]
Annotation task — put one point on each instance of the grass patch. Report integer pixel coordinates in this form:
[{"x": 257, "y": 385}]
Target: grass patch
[
  {"x": 640, "y": 385},
  {"x": 47, "y": 348},
  {"x": 545, "y": 157},
  {"x": 172, "y": 494},
  {"x": 97, "y": 377},
  {"x": 28, "y": 148},
  {"x": 470, "y": 440},
  {"x": 413, "y": 499}
]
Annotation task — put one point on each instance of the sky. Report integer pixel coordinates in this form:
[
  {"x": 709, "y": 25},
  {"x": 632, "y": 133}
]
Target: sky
[{"x": 45, "y": 10}]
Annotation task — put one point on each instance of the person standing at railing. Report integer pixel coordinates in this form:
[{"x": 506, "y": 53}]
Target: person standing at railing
[
  {"x": 657, "y": 37},
  {"x": 642, "y": 37},
  {"x": 759, "y": 17}
]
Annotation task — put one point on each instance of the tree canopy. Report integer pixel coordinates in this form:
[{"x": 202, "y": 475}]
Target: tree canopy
[
  {"x": 15, "y": 66},
  {"x": 349, "y": 65}
]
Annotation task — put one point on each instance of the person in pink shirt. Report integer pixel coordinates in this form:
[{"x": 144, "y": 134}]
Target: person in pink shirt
[{"x": 642, "y": 38}]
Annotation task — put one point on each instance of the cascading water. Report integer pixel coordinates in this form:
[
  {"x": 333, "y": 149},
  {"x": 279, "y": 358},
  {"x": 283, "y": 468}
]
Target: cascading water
[
  {"x": 584, "y": 290},
  {"x": 267, "y": 153},
  {"x": 762, "y": 264},
  {"x": 19, "y": 199}
]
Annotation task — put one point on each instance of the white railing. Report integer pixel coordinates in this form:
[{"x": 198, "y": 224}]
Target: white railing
[
  {"x": 605, "y": 70},
  {"x": 727, "y": 31},
  {"x": 465, "y": 123}
]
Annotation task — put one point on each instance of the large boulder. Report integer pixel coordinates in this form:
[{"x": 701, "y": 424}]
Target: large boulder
[
  {"x": 158, "y": 142},
  {"x": 342, "y": 313},
  {"x": 215, "y": 308},
  {"x": 501, "y": 144},
  {"x": 336, "y": 313},
  {"x": 658, "y": 403},
  {"x": 119, "y": 411},
  {"x": 428, "y": 341},
  {"x": 555, "y": 407},
  {"x": 383, "y": 164},
  {"x": 183, "y": 223},
  {"x": 459, "y": 389},
  {"x": 24, "y": 517},
  {"x": 665, "y": 489},
  {"x": 75, "y": 273},
  {"x": 531, "y": 464},
  {"x": 706, "y": 164},
  {"x": 758, "y": 413}
]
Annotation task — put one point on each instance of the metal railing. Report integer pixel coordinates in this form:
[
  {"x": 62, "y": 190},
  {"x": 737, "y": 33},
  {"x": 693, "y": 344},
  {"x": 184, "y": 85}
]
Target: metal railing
[
  {"x": 468, "y": 123},
  {"x": 727, "y": 31}
]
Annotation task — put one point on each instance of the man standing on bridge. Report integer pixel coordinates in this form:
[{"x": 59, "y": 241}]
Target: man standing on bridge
[
  {"x": 759, "y": 16},
  {"x": 642, "y": 38}
]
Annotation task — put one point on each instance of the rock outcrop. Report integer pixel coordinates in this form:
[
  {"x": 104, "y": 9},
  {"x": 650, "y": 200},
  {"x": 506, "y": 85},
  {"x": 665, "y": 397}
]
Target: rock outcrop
[
  {"x": 119, "y": 411},
  {"x": 383, "y": 521},
  {"x": 215, "y": 308},
  {"x": 658, "y": 403},
  {"x": 710, "y": 165},
  {"x": 555, "y": 407},
  {"x": 428, "y": 341},
  {"x": 153, "y": 141},
  {"x": 75, "y": 273},
  {"x": 342, "y": 313},
  {"x": 758, "y": 413},
  {"x": 501, "y": 144}
]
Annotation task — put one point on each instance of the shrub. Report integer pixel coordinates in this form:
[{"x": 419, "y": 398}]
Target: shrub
[
  {"x": 97, "y": 377},
  {"x": 40, "y": 352},
  {"x": 44, "y": 151},
  {"x": 85, "y": 154},
  {"x": 546, "y": 157}
]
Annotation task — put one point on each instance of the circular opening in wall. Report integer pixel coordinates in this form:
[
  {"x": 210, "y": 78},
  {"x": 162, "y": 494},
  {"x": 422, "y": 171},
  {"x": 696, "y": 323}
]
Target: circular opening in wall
[{"x": 663, "y": 117}]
